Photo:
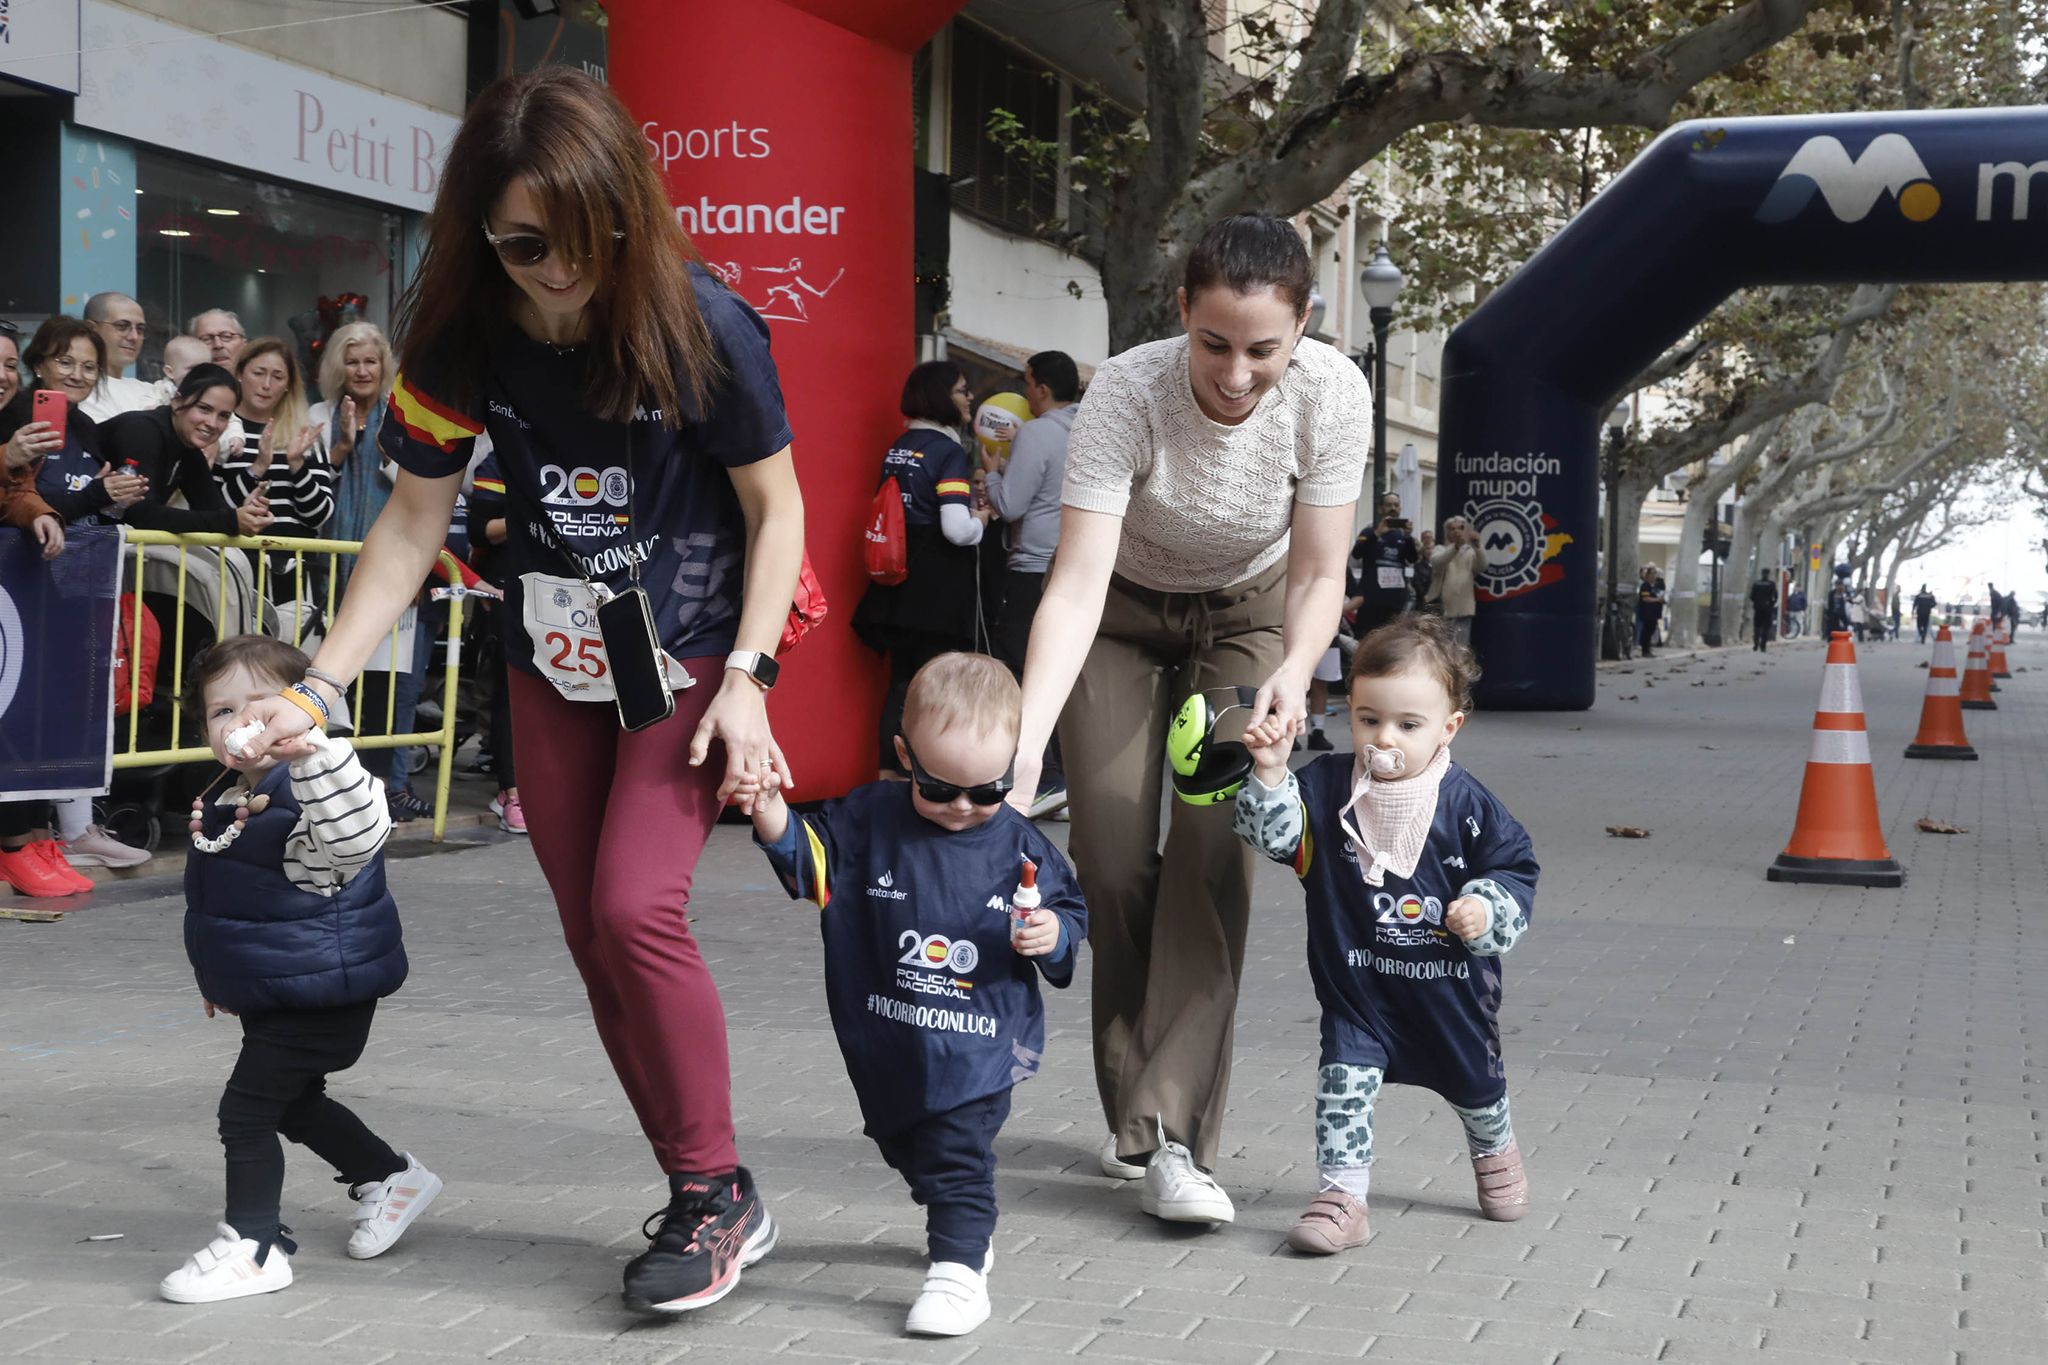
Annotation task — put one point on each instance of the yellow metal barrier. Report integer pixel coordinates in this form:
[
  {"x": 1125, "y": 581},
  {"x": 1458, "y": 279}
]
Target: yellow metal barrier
[{"x": 241, "y": 605}]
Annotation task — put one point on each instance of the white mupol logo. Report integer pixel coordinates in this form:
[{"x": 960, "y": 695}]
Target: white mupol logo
[{"x": 1852, "y": 185}]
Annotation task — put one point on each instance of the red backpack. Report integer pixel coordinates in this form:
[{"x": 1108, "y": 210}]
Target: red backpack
[
  {"x": 125, "y": 653},
  {"x": 888, "y": 556}
]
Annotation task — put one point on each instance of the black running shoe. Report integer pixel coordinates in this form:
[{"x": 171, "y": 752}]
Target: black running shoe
[
  {"x": 713, "y": 1228},
  {"x": 1318, "y": 740}
]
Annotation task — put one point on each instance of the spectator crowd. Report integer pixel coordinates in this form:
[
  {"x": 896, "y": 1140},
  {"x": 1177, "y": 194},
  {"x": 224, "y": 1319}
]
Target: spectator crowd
[{"x": 231, "y": 438}]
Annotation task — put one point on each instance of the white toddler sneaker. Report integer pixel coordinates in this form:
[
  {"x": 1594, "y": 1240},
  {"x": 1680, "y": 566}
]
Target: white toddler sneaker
[
  {"x": 386, "y": 1209},
  {"x": 1179, "y": 1191},
  {"x": 954, "y": 1300},
  {"x": 226, "y": 1268}
]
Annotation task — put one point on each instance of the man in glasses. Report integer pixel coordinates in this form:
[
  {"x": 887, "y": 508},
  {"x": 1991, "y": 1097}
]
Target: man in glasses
[
  {"x": 118, "y": 319},
  {"x": 932, "y": 986},
  {"x": 222, "y": 332}
]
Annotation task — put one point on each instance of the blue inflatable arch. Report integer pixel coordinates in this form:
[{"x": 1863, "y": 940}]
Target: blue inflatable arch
[{"x": 1709, "y": 208}]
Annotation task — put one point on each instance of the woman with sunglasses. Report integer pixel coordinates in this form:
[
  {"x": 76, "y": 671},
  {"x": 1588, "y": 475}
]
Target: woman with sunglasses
[{"x": 638, "y": 422}]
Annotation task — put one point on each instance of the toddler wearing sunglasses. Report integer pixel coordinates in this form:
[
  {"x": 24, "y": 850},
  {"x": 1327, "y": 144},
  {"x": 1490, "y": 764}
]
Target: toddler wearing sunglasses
[{"x": 933, "y": 991}]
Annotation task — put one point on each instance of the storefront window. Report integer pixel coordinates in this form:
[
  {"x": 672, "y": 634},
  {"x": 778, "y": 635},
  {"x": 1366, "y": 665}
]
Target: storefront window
[{"x": 270, "y": 253}]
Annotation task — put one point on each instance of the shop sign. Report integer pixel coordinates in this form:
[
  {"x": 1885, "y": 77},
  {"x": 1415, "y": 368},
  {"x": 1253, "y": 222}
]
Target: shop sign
[
  {"x": 170, "y": 87},
  {"x": 39, "y": 43}
]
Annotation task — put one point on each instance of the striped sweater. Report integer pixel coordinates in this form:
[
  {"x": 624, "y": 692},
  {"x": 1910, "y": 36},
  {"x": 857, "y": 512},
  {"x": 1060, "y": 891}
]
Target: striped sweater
[{"x": 343, "y": 819}]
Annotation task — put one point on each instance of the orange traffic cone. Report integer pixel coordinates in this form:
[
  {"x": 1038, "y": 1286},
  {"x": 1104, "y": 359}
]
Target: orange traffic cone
[
  {"x": 1941, "y": 715},
  {"x": 1976, "y": 695},
  {"x": 1999, "y": 639},
  {"x": 1836, "y": 838}
]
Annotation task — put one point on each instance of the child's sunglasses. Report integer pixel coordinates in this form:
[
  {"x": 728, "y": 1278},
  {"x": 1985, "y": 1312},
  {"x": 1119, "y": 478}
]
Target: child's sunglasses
[
  {"x": 525, "y": 248},
  {"x": 945, "y": 793}
]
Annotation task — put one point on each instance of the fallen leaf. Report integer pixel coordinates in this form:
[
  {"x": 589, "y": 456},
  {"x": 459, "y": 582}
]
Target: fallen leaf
[
  {"x": 1628, "y": 832},
  {"x": 1573, "y": 727},
  {"x": 1550, "y": 755},
  {"x": 1788, "y": 940},
  {"x": 1631, "y": 697},
  {"x": 1927, "y": 826},
  {"x": 1921, "y": 664},
  {"x": 1710, "y": 746},
  {"x": 1701, "y": 683}
]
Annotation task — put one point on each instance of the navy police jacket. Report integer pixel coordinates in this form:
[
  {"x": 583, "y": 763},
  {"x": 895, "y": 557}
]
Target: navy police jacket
[
  {"x": 1398, "y": 990},
  {"x": 932, "y": 1006},
  {"x": 257, "y": 942}
]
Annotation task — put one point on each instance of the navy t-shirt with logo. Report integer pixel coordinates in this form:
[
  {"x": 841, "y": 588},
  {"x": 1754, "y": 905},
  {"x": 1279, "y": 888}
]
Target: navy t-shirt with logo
[
  {"x": 932, "y": 1006},
  {"x": 930, "y": 470},
  {"x": 566, "y": 473},
  {"x": 1398, "y": 990}
]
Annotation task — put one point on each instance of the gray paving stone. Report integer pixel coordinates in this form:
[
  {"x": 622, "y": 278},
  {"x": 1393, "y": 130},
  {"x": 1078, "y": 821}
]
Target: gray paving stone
[{"x": 1740, "y": 1148}]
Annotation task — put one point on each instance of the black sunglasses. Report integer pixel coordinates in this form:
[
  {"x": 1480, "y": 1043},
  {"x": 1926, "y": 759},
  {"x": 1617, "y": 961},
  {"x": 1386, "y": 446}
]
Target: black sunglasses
[
  {"x": 945, "y": 793},
  {"x": 8, "y": 329},
  {"x": 525, "y": 248}
]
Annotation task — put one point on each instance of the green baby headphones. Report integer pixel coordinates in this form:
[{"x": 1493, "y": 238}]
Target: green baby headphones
[{"x": 1208, "y": 771}]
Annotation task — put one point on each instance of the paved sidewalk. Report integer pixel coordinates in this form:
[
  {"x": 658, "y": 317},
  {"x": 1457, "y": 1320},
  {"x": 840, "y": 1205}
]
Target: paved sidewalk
[{"x": 1795, "y": 1124}]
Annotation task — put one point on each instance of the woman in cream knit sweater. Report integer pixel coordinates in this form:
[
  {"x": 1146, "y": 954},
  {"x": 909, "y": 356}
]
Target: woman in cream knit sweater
[{"x": 1210, "y": 485}]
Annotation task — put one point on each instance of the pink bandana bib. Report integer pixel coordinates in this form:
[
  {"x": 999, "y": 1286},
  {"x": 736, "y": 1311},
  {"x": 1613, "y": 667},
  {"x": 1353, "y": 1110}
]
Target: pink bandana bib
[{"x": 1389, "y": 821}]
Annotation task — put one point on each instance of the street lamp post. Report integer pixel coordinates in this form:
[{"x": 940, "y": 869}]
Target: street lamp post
[
  {"x": 1611, "y": 623},
  {"x": 1380, "y": 282}
]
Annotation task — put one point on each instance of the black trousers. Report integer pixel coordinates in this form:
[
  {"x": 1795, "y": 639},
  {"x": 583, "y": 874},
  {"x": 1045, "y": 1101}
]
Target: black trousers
[
  {"x": 1021, "y": 594},
  {"x": 19, "y": 817},
  {"x": 279, "y": 1085},
  {"x": 1761, "y": 627},
  {"x": 949, "y": 1162},
  {"x": 501, "y": 725},
  {"x": 909, "y": 650}
]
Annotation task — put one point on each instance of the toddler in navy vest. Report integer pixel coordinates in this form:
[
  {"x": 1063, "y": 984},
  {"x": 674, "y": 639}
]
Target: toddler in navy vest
[
  {"x": 933, "y": 990},
  {"x": 289, "y": 926},
  {"x": 1418, "y": 880}
]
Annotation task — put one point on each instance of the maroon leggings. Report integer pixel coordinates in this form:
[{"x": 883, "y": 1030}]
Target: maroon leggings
[{"x": 618, "y": 821}]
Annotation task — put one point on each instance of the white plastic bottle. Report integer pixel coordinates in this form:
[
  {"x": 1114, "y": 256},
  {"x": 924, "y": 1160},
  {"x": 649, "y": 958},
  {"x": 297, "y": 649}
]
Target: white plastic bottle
[{"x": 1025, "y": 898}]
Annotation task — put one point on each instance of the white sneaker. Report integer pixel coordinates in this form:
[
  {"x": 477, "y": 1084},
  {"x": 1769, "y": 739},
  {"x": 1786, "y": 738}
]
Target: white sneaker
[
  {"x": 1179, "y": 1191},
  {"x": 386, "y": 1209},
  {"x": 226, "y": 1268},
  {"x": 1114, "y": 1166},
  {"x": 953, "y": 1303},
  {"x": 97, "y": 848}
]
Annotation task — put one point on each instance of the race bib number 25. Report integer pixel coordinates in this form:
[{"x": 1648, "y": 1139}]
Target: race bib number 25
[{"x": 560, "y": 615}]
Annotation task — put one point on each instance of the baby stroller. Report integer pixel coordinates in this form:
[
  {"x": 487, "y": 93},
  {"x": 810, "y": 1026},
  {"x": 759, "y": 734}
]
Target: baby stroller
[{"x": 220, "y": 600}]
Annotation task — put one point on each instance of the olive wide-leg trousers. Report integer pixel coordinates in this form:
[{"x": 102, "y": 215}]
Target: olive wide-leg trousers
[{"x": 1167, "y": 927}]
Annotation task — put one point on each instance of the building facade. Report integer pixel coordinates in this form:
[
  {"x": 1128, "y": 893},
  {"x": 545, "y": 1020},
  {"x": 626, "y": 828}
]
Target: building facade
[{"x": 275, "y": 161}]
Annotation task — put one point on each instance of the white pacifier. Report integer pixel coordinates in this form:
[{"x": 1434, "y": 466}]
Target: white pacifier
[{"x": 1385, "y": 762}]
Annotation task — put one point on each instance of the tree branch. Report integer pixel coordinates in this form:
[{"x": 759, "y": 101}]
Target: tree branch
[{"x": 1306, "y": 159}]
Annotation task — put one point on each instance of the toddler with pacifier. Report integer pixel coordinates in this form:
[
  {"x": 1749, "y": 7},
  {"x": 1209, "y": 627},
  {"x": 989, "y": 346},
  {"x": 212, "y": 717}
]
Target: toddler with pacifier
[{"x": 1418, "y": 881}]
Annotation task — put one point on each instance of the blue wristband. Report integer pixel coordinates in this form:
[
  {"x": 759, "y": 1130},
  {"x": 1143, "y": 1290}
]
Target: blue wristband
[{"x": 310, "y": 695}]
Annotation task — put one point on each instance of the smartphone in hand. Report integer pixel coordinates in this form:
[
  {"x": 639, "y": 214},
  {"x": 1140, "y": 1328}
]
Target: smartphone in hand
[{"x": 52, "y": 407}]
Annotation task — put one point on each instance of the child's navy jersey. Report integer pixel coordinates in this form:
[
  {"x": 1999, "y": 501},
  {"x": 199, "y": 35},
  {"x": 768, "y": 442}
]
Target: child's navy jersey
[
  {"x": 932, "y": 1005},
  {"x": 1398, "y": 989},
  {"x": 930, "y": 470}
]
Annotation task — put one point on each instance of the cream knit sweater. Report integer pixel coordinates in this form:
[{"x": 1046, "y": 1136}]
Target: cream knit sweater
[{"x": 1204, "y": 505}]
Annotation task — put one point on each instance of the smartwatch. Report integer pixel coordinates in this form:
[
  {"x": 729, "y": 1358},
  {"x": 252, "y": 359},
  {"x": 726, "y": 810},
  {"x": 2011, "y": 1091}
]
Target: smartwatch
[{"x": 760, "y": 667}]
